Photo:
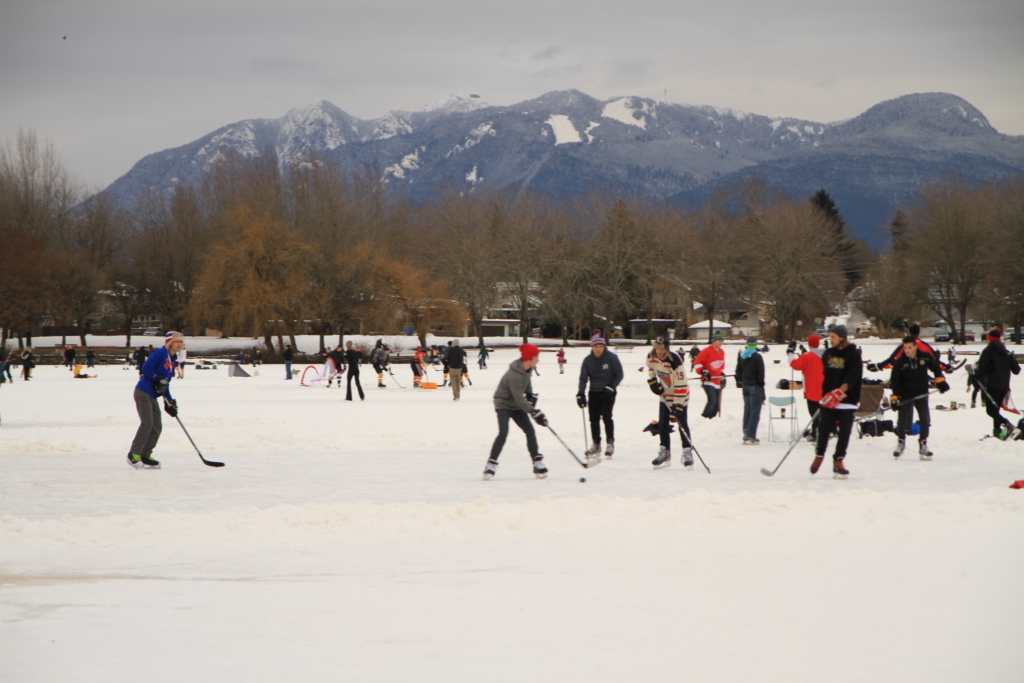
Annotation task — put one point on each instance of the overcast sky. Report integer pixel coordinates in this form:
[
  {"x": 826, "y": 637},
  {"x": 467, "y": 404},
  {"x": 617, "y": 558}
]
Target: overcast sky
[{"x": 134, "y": 77}]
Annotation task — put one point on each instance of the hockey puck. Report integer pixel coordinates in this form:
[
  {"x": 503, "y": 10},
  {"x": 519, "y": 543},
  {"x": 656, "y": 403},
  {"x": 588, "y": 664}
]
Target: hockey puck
[{"x": 583, "y": 479}]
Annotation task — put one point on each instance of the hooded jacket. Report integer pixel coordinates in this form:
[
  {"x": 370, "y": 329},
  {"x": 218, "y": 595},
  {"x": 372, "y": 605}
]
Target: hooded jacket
[
  {"x": 842, "y": 365},
  {"x": 995, "y": 365},
  {"x": 513, "y": 387}
]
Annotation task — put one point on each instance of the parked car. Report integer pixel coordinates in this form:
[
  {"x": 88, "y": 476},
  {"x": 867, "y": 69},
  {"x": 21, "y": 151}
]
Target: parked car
[
  {"x": 968, "y": 336},
  {"x": 942, "y": 336}
]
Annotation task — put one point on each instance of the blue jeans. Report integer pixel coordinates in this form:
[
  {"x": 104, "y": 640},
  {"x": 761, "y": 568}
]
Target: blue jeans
[
  {"x": 711, "y": 407},
  {"x": 753, "y": 397},
  {"x": 287, "y": 369}
]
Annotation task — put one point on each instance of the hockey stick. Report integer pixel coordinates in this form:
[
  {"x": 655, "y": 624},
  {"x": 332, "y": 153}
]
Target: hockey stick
[
  {"x": 769, "y": 473},
  {"x": 395, "y": 378},
  {"x": 687, "y": 432},
  {"x": 211, "y": 463},
  {"x": 583, "y": 415},
  {"x": 584, "y": 465},
  {"x": 984, "y": 390}
]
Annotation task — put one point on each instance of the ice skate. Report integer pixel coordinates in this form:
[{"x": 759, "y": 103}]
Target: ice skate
[
  {"x": 148, "y": 463},
  {"x": 900, "y": 446},
  {"x": 664, "y": 458},
  {"x": 540, "y": 470},
  {"x": 816, "y": 465},
  {"x": 594, "y": 450},
  {"x": 609, "y": 450},
  {"x": 688, "y": 458},
  {"x": 135, "y": 460},
  {"x": 923, "y": 450},
  {"x": 838, "y": 471},
  {"x": 490, "y": 469}
]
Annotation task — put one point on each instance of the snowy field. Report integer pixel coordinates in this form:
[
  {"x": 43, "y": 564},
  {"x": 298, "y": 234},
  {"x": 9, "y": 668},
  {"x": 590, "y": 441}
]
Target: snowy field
[{"x": 357, "y": 542}]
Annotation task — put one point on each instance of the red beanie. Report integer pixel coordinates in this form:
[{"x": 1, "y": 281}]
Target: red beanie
[
  {"x": 528, "y": 351},
  {"x": 814, "y": 341},
  {"x": 995, "y": 335}
]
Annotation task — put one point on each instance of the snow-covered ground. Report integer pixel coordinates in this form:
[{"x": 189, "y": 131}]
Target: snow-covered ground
[{"x": 356, "y": 541}]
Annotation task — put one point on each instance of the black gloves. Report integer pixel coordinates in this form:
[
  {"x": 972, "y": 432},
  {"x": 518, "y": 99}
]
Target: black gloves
[
  {"x": 873, "y": 367},
  {"x": 539, "y": 418},
  {"x": 532, "y": 399},
  {"x": 581, "y": 400},
  {"x": 610, "y": 390},
  {"x": 722, "y": 384},
  {"x": 705, "y": 375},
  {"x": 942, "y": 385},
  {"x": 171, "y": 407},
  {"x": 803, "y": 349},
  {"x": 894, "y": 401},
  {"x": 656, "y": 386},
  {"x": 791, "y": 348},
  {"x": 160, "y": 386}
]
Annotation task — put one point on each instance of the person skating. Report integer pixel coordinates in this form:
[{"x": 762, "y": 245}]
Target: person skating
[
  {"x": 560, "y": 357},
  {"x": 695, "y": 351},
  {"x": 379, "y": 359},
  {"x": 514, "y": 400},
  {"x": 995, "y": 365},
  {"x": 481, "y": 357},
  {"x": 840, "y": 396},
  {"x": 28, "y": 362},
  {"x": 445, "y": 353},
  {"x": 666, "y": 376},
  {"x": 353, "y": 359},
  {"x": 710, "y": 365},
  {"x": 288, "y": 356},
  {"x": 924, "y": 347},
  {"x": 602, "y": 369},
  {"x": 809, "y": 364},
  {"x": 69, "y": 357},
  {"x": 90, "y": 357},
  {"x": 455, "y": 358},
  {"x": 417, "y": 367},
  {"x": 157, "y": 373},
  {"x": 182, "y": 355},
  {"x": 750, "y": 376},
  {"x": 337, "y": 357},
  {"x": 910, "y": 382}
]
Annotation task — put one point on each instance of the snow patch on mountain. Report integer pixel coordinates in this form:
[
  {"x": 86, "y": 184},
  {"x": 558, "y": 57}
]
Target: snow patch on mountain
[
  {"x": 240, "y": 137},
  {"x": 455, "y": 103},
  {"x": 563, "y": 129},
  {"x": 410, "y": 162},
  {"x": 389, "y": 126},
  {"x": 472, "y": 176},
  {"x": 592, "y": 126},
  {"x": 624, "y": 111},
  {"x": 309, "y": 127},
  {"x": 474, "y": 138}
]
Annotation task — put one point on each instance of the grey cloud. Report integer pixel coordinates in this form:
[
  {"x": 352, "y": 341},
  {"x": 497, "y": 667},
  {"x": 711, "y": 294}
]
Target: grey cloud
[{"x": 548, "y": 53}]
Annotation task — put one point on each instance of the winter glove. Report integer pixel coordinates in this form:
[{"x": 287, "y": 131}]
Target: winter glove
[
  {"x": 832, "y": 398},
  {"x": 171, "y": 407},
  {"x": 894, "y": 401},
  {"x": 941, "y": 384},
  {"x": 705, "y": 375},
  {"x": 160, "y": 386},
  {"x": 610, "y": 390},
  {"x": 656, "y": 386},
  {"x": 722, "y": 384},
  {"x": 678, "y": 413},
  {"x": 791, "y": 348},
  {"x": 873, "y": 367},
  {"x": 539, "y": 418},
  {"x": 532, "y": 399},
  {"x": 581, "y": 400},
  {"x": 803, "y": 349}
]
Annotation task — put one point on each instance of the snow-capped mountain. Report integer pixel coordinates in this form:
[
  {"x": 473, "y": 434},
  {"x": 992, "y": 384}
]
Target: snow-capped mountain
[{"x": 566, "y": 142}]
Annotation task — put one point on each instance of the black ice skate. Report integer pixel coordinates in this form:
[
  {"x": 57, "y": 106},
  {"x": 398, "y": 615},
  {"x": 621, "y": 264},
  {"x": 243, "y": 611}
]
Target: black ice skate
[
  {"x": 664, "y": 458},
  {"x": 149, "y": 463},
  {"x": 923, "y": 450},
  {"x": 838, "y": 471},
  {"x": 609, "y": 450},
  {"x": 594, "y": 450},
  {"x": 816, "y": 465},
  {"x": 900, "y": 446}
]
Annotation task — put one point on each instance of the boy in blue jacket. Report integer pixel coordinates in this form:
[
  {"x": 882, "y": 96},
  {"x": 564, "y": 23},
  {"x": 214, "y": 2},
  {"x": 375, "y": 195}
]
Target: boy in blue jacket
[{"x": 155, "y": 380}]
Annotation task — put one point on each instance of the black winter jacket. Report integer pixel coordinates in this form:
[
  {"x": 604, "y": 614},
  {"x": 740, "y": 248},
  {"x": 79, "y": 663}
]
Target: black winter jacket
[
  {"x": 995, "y": 365},
  {"x": 602, "y": 372},
  {"x": 909, "y": 378},
  {"x": 750, "y": 370},
  {"x": 843, "y": 366}
]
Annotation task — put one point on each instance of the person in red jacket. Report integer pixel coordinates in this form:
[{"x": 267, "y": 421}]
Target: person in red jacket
[
  {"x": 809, "y": 363},
  {"x": 710, "y": 365}
]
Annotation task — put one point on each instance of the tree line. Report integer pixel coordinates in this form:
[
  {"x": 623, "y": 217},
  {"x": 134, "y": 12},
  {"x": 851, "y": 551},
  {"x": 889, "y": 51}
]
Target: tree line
[{"x": 256, "y": 251}]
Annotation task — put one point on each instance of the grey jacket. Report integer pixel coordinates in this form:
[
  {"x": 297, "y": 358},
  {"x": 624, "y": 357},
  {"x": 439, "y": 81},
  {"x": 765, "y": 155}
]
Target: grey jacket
[{"x": 512, "y": 389}]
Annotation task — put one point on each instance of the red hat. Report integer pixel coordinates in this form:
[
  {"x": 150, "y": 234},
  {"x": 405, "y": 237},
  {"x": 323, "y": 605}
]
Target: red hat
[
  {"x": 994, "y": 335},
  {"x": 814, "y": 341},
  {"x": 528, "y": 351}
]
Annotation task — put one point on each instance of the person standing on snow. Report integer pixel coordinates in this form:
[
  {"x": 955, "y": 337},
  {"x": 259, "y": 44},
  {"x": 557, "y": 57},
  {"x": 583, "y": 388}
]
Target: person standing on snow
[
  {"x": 353, "y": 358},
  {"x": 456, "y": 365},
  {"x": 909, "y": 382},
  {"x": 809, "y": 363},
  {"x": 666, "y": 376},
  {"x": 993, "y": 374},
  {"x": 750, "y": 376},
  {"x": 560, "y": 357},
  {"x": 288, "y": 355},
  {"x": 481, "y": 357},
  {"x": 602, "y": 369},
  {"x": 710, "y": 365},
  {"x": 337, "y": 357},
  {"x": 182, "y": 355},
  {"x": 924, "y": 347},
  {"x": 157, "y": 373},
  {"x": 379, "y": 360},
  {"x": 514, "y": 400},
  {"x": 90, "y": 357},
  {"x": 417, "y": 367},
  {"x": 840, "y": 396}
]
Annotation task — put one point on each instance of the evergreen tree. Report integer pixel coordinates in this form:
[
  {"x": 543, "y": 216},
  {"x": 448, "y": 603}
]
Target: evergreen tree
[{"x": 845, "y": 250}]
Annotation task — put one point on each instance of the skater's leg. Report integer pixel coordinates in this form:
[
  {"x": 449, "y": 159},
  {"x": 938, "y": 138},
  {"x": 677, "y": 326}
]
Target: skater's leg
[
  {"x": 523, "y": 420},
  {"x": 711, "y": 407},
  {"x": 144, "y": 406},
  {"x": 682, "y": 420},
  {"x": 499, "y": 441},
  {"x": 812, "y": 409},
  {"x": 455, "y": 375},
  {"x": 607, "y": 405},
  {"x": 904, "y": 420},
  {"x": 594, "y": 400},
  {"x": 924, "y": 417},
  {"x": 845, "y": 420},
  {"x": 826, "y": 423},
  {"x": 664, "y": 424}
]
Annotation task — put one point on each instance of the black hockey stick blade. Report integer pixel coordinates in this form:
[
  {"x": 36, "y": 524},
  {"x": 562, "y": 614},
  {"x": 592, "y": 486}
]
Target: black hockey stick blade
[
  {"x": 210, "y": 463},
  {"x": 766, "y": 472},
  {"x": 770, "y": 473}
]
